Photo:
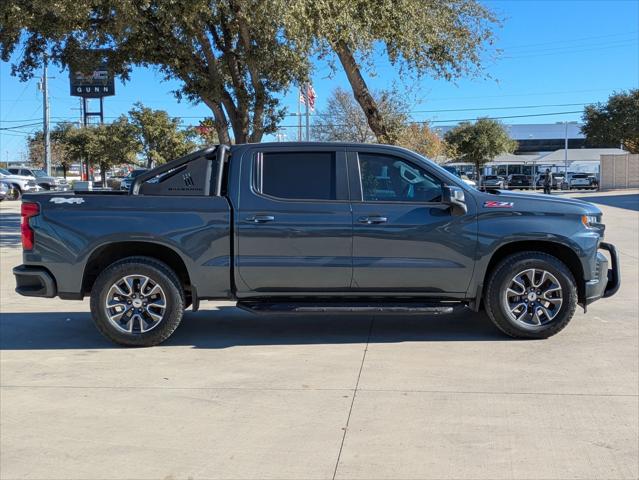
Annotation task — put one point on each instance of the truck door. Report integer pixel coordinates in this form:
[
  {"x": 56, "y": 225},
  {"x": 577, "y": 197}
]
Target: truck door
[
  {"x": 404, "y": 239},
  {"x": 294, "y": 221}
]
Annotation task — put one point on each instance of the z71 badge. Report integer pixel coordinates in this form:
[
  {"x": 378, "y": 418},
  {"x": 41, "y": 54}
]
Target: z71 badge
[{"x": 495, "y": 204}]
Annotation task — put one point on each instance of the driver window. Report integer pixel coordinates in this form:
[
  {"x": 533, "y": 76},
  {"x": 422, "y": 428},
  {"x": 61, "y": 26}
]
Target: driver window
[{"x": 392, "y": 179}]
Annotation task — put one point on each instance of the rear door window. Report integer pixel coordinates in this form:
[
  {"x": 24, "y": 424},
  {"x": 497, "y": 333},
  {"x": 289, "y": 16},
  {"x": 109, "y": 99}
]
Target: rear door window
[{"x": 297, "y": 175}]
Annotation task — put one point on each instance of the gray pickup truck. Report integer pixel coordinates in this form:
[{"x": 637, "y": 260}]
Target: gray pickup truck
[{"x": 309, "y": 228}]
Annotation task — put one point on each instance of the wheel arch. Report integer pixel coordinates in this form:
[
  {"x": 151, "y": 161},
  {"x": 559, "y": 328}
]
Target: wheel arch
[
  {"x": 561, "y": 252},
  {"x": 104, "y": 255}
]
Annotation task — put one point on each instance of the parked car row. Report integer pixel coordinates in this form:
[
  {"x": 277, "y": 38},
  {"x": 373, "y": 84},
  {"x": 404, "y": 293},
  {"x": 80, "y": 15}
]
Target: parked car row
[
  {"x": 559, "y": 181},
  {"x": 20, "y": 180}
]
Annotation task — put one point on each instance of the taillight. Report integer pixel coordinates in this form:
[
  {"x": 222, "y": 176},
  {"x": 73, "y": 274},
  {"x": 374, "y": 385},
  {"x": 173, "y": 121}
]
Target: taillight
[{"x": 27, "y": 211}]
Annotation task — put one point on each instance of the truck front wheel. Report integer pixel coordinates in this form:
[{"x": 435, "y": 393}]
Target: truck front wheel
[
  {"x": 137, "y": 302},
  {"x": 531, "y": 295}
]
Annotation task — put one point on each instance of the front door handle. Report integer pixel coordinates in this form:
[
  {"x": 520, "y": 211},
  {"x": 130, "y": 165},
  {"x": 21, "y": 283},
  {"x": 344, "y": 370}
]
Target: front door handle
[
  {"x": 261, "y": 218},
  {"x": 373, "y": 220}
]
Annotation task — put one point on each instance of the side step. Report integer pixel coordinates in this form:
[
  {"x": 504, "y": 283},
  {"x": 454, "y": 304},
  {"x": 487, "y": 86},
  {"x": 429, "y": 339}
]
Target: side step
[{"x": 348, "y": 307}]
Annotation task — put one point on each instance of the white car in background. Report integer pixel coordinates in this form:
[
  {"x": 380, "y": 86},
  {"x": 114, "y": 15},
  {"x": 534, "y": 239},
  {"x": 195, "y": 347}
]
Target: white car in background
[
  {"x": 19, "y": 184},
  {"x": 41, "y": 178},
  {"x": 580, "y": 180}
]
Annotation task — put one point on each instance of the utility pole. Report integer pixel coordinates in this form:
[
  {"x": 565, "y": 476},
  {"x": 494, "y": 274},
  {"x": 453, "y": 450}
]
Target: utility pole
[
  {"x": 44, "y": 85},
  {"x": 306, "y": 102},
  {"x": 81, "y": 124},
  {"x": 299, "y": 115}
]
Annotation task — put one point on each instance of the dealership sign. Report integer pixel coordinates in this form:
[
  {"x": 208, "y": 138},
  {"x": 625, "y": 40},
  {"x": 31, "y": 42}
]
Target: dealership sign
[{"x": 98, "y": 83}]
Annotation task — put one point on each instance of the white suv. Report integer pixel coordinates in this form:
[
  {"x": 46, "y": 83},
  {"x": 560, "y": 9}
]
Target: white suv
[{"x": 19, "y": 184}]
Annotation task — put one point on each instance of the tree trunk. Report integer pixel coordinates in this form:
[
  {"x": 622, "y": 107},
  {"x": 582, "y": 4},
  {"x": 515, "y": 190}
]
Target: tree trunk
[
  {"x": 103, "y": 174},
  {"x": 220, "y": 121},
  {"x": 64, "y": 171},
  {"x": 362, "y": 94}
]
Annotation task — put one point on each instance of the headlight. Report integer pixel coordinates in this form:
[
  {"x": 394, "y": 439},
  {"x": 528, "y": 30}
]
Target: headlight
[{"x": 590, "y": 221}]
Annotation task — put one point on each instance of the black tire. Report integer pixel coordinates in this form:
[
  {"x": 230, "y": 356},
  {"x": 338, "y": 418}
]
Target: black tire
[
  {"x": 160, "y": 274},
  {"x": 15, "y": 193},
  {"x": 499, "y": 280}
]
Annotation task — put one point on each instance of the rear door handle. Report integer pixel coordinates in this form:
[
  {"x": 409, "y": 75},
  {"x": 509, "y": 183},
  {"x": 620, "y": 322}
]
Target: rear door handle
[
  {"x": 261, "y": 218},
  {"x": 373, "y": 220}
]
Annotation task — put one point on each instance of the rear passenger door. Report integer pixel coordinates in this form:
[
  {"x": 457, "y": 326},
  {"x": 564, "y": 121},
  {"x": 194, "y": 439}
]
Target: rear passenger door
[{"x": 294, "y": 221}]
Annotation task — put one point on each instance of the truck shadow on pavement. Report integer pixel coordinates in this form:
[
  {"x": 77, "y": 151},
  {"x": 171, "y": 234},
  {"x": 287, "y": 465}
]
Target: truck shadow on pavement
[{"x": 230, "y": 326}]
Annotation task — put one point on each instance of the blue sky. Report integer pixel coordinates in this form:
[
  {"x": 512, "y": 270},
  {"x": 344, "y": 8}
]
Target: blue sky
[{"x": 554, "y": 54}]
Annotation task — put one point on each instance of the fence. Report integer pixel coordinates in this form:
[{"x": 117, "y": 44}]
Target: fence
[{"x": 619, "y": 171}]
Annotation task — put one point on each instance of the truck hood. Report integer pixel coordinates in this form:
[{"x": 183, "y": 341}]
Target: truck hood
[{"x": 530, "y": 202}]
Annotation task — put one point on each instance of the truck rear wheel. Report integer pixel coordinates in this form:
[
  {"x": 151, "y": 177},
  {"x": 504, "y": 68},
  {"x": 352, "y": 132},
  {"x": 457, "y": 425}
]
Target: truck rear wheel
[
  {"x": 531, "y": 295},
  {"x": 137, "y": 302}
]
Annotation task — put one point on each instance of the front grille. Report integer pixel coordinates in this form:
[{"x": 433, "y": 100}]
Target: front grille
[{"x": 31, "y": 183}]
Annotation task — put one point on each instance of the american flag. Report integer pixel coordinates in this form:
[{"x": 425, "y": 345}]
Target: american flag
[{"x": 308, "y": 92}]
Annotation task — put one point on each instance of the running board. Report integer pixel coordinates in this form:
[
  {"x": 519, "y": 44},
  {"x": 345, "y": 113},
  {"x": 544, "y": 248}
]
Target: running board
[{"x": 347, "y": 307}]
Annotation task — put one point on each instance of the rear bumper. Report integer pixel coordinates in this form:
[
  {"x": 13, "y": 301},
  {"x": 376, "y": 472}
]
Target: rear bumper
[
  {"x": 34, "y": 282},
  {"x": 608, "y": 279}
]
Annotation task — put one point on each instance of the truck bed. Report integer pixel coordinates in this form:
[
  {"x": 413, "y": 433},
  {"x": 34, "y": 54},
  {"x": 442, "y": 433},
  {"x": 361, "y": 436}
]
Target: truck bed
[{"x": 72, "y": 229}]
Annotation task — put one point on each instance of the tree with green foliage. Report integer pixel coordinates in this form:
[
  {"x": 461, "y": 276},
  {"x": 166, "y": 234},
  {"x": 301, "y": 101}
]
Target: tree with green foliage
[
  {"x": 480, "y": 142},
  {"x": 229, "y": 54},
  {"x": 615, "y": 122},
  {"x": 161, "y": 136},
  {"x": 114, "y": 144},
  {"x": 105, "y": 145},
  {"x": 78, "y": 144},
  {"x": 342, "y": 120},
  {"x": 59, "y": 154},
  {"x": 440, "y": 38},
  {"x": 238, "y": 56}
]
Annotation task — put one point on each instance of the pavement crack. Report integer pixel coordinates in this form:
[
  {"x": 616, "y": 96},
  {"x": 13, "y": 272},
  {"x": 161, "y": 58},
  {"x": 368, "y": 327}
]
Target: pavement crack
[{"x": 350, "y": 410}]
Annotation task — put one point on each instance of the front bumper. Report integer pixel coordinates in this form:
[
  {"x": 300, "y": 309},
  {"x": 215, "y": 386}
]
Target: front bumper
[
  {"x": 34, "y": 282},
  {"x": 608, "y": 280}
]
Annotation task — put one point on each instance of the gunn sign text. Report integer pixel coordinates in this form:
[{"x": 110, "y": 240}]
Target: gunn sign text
[{"x": 98, "y": 83}]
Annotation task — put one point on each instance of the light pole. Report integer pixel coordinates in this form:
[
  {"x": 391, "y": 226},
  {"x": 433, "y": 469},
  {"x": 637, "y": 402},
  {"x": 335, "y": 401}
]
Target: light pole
[
  {"x": 566, "y": 122},
  {"x": 566, "y": 151},
  {"x": 44, "y": 86}
]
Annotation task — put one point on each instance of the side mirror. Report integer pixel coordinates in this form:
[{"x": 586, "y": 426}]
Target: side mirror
[{"x": 454, "y": 197}]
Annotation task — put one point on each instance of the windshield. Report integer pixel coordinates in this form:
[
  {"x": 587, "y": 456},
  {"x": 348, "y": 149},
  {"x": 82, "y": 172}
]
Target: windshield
[
  {"x": 490, "y": 177},
  {"x": 39, "y": 173},
  {"x": 4, "y": 172}
]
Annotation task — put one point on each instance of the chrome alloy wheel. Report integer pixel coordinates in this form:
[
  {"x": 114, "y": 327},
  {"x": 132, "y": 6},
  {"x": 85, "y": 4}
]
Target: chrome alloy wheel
[
  {"x": 533, "y": 297},
  {"x": 135, "y": 304}
]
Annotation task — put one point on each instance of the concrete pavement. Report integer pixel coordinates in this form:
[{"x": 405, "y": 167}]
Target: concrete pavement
[{"x": 232, "y": 395}]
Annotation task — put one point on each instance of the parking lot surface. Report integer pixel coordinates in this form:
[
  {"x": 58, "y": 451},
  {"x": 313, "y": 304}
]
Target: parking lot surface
[{"x": 232, "y": 395}]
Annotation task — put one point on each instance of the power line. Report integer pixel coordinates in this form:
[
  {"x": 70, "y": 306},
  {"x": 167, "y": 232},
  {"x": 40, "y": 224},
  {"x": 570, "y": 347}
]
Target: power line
[
  {"x": 513, "y": 107},
  {"x": 459, "y": 119},
  {"x": 530, "y": 115},
  {"x": 594, "y": 48},
  {"x": 507, "y": 116},
  {"x": 569, "y": 40},
  {"x": 502, "y": 108},
  {"x": 15, "y": 127}
]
